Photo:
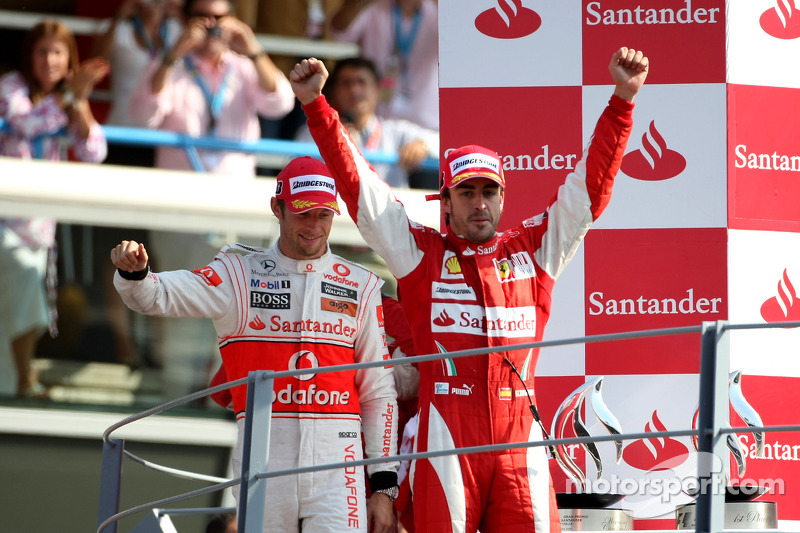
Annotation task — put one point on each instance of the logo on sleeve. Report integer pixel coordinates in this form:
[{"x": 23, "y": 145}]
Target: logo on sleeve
[
  {"x": 380, "y": 316},
  {"x": 208, "y": 274}
]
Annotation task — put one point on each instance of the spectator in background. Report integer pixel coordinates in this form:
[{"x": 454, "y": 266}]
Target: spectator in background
[
  {"x": 401, "y": 37},
  {"x": 353, "y": 91},
  {"x": 140, "y": 31},
  {"x": 291, "y": 18},
  {"x": 48, "y": 94},
  {"x": 213, "y": 81}
]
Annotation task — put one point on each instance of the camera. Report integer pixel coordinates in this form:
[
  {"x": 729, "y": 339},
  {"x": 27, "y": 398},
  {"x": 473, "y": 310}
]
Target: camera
[{"x": 214, "y": 32}]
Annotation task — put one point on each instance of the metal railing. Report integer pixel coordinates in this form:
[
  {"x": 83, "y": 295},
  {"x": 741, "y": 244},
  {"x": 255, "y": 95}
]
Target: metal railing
[
  {"x": 280, "y": 147},
  {"x": 712, "y": 427}
]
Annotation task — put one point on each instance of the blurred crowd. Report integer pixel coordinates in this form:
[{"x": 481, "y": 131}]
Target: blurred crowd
[{"x": 195, "y": 67}]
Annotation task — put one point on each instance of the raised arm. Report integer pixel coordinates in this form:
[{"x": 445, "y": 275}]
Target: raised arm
[
  {"x": 628, "y": 69},
  {"x": 587, "y": 189},
  {"x": 380, "y": 218}
]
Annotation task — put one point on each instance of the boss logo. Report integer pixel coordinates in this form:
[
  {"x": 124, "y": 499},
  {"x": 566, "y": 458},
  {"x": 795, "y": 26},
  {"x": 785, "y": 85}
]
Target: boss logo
[
  {"x": 269, "y": 300},
  {"x": 348, "y": 435}
]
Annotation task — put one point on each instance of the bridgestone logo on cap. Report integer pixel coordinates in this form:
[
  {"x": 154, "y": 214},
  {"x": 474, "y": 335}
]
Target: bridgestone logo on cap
[
  {"x": 474, "y": 161},
  {"x": 312, "y": 182}
]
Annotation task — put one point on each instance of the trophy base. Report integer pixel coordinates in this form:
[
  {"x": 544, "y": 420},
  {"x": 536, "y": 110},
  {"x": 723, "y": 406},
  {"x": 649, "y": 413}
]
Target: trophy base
[
  {"x": 738, "y": 515},
  {"x": 595, "y": 520}
]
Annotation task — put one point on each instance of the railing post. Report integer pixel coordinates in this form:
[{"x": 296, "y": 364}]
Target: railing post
[
  {"x": 714, "y": 413},
  {"x": 255, "y": 451},
  {"x": 110, "y": 482}
]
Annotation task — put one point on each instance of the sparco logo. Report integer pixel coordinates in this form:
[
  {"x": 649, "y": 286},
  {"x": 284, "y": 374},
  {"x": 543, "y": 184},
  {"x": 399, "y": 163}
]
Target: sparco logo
[
  {"x": 508, "y": 19},
  {"x": 596, "y": 14},
  {"x": 269, "y": 300},
  {"x": 302, "y": 360},
  {"x": 654, "y": 162},
  {"x": 781, "y": 21}
]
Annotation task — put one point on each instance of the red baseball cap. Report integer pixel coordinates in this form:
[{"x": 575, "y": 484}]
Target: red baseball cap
[
  {"x": 304, "y": 184},
  {"x": 467, "y": 162},
  {"x": 472, "y": 161}
]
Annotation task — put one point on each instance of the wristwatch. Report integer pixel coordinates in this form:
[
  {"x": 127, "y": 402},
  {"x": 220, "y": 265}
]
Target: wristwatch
[
  {"x": 391, "y": 492},
  {"x": 67, "y": 97}
]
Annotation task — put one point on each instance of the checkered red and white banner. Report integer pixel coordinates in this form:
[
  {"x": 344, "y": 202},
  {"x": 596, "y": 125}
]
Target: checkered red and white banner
[{"x": 704, "y": 224}]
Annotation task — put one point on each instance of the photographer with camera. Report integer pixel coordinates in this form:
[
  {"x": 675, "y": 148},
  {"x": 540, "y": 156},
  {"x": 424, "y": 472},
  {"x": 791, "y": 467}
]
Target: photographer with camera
[{"x": 214, "y": 81}]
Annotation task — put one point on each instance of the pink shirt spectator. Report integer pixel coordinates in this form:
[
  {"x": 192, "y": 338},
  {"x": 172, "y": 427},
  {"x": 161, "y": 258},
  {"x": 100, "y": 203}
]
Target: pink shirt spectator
[
  {"x": 374, "y": 31},
  {"x": 32, "y": 129},
  {"x": 182, "y": 107},
  {"x": 28, "y": 121}
]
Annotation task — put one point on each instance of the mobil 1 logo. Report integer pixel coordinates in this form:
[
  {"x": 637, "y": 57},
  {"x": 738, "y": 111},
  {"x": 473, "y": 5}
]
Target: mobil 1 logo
[{"x": 270, "y": 300}]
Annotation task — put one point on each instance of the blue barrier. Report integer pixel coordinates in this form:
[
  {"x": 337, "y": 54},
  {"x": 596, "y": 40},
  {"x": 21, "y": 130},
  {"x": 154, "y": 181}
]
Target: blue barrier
[{"x": 148, "y": 137}]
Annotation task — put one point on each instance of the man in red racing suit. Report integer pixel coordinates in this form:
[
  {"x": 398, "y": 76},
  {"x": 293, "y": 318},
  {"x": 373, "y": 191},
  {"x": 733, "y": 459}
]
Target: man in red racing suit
[
  {"x": 295, "y": 306},
  {"x": 475, "y": 288}
]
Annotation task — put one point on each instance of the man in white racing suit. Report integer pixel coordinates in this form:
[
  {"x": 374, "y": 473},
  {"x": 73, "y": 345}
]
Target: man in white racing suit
[{"x": 295, "y": 306}]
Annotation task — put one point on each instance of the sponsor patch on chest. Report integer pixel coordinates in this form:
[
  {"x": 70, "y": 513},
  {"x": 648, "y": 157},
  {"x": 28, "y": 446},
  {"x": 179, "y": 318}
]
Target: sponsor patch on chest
[{"x": 338, "y": 306}]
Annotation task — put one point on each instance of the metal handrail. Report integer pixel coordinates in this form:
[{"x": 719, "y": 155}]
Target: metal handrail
[
  {"x": 455, "y": 451},
  {"x": 150, "y": 137}
]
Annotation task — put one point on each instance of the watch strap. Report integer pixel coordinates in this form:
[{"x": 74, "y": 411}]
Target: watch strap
[{"x": 391, "y": 492}]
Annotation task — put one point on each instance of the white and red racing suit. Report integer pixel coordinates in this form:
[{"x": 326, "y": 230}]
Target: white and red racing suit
[
  {"x": 460, "y": 295},
  {"x": 276, "y": 313}
]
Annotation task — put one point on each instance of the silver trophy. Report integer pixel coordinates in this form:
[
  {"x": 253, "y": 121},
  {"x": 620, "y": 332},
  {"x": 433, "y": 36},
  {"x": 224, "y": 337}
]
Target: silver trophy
[
  {"x": 739, "y": 507},
  {"x": 750, "y": 417},
  {"x": 572, "y": 407}
]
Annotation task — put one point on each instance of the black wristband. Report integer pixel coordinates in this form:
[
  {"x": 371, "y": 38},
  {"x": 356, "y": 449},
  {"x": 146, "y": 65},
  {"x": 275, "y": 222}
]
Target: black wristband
[
  {"x": 382, "y": 480},
  {"x": 253, "y": 57},
  {"x": 135, "y": 276}
]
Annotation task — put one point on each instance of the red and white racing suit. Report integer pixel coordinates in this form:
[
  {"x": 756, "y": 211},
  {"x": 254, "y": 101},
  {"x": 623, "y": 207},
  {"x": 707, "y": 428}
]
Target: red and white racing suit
[
  {"x": 276, "y": 313},
  {"x": 459, "y": 295}
]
